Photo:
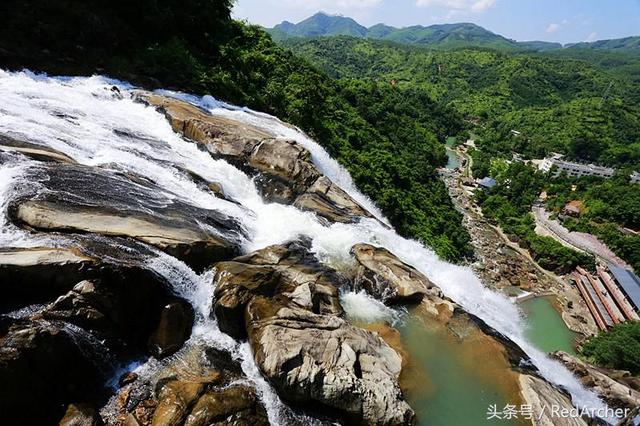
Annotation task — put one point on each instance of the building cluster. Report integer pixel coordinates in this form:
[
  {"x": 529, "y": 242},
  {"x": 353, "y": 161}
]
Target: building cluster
[
  {"x": 574, "y": 169},
  {"x": 612, "y": 294}
]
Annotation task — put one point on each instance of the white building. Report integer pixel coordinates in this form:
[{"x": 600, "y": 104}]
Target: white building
[
  {"x": 574, "y": 169},
  {"x": 635, "y": 177}
]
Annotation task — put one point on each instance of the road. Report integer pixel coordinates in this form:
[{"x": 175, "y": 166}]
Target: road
[{"x": 580, "y": 241}]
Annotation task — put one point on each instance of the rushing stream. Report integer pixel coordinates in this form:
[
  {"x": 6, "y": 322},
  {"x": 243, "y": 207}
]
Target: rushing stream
[{"x": 95, "y": 124}]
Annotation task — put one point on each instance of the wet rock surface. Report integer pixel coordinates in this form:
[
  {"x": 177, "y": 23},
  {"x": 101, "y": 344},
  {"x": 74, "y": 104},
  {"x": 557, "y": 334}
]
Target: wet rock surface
[
  {"x": 300, "y": 342},
  {"x": 618, "y": 388},
  {"x": 42, "y": 365},
  {"x": 115, "y": 205},
  {"x": 385, "y": 277},
  {"x": 285, "y": 171},
  {"x": 542, "y": 397},
  {"x": 33, "y": 150},
  {"x": 35, "y": 275},
  {"x": 81, "y": 415},
  {"x": 202, "y": 387}
]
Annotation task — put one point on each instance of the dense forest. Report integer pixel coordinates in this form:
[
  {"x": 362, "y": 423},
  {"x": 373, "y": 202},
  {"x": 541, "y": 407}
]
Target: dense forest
[
  {"x": 618, "y": 348},
  {"x": 560, "y": 105},
  {"x": 580, "y": 102},
  {"x": 195, "y": 46}
]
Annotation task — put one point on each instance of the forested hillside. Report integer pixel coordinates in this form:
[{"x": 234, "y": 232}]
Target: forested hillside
[
  {"x": 439, "y": 36},
  {"x": 560, "y": 105},
  {"x": 196, "y": 47}
]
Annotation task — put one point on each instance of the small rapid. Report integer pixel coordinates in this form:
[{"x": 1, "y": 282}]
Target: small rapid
[{"x": 96, "y": 122}]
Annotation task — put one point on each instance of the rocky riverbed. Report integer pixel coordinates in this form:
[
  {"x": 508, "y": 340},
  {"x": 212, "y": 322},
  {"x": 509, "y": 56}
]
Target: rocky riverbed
[
  {"x": 502, "y": 265},
  {"x": 164, "y": 265}
]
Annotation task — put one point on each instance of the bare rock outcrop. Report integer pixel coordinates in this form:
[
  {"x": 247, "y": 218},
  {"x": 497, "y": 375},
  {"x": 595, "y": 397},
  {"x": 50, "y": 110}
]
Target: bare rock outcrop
[
  {"x": 44, "y": 364},
  {"x": 287, "y": 303},
  {"x": 618, "y": 388},
  {"x": 196, "y": 389},
  {"x": 285, "y": 171},
  {"x": 385, "y": 277},
  {"x": 115, "y": 205}
]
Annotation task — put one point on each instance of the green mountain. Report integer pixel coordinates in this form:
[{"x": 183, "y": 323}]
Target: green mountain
[
  {"x": 555, "y": 101},
  {"x": 441, "y": 36},
  {"x": 320, "y": 24},
  {"x": 438, "y": 36},
  {"x": 619, "y": 44}
]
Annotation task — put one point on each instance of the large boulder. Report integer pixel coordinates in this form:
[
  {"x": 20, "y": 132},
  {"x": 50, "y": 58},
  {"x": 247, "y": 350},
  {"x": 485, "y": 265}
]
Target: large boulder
[
  {"x": 285, "y": 172},
  {"x": 37, "y": 152},
  {"x": 173, "y": 329},
  {"x": 35, "y": 275},
  {"x": 328, "y": 200},
  {"x": 385, "y": 277},
  {"x": 130, "y": 318},
  {"x": 322, "y": 359},
  {"x": 81, "y": 415},
  {"x": 287, "y": 303},
  {"x": 115, "y": 205},
  {"x": 289, "y": 270},
  {"x": 546, "y": 401}
]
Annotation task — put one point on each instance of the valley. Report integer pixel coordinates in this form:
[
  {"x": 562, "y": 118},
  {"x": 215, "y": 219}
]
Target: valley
[{"x": 206, "y": 222}]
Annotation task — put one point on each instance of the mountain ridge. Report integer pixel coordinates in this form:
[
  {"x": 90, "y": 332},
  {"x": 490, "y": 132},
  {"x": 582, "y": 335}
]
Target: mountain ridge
[{"x": 448, "y": 35}]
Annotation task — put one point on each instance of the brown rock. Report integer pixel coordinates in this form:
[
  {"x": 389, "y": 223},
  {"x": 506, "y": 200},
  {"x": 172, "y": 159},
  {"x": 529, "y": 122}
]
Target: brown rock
[
  {"x": 174, "y": 328},
  {"x": 289, "y": 304},
  {"x": 117, "y": 206},
  {"x": 81, "y": 415},
  {"x": 43, "y": 361},
  {"x": 385, "y": 277},
  {"x": 609, "y": 384},
  {"x": 233, "y": 405},
  {"x": 285, "y": 171},
  {"x": 175, "y": 399}
]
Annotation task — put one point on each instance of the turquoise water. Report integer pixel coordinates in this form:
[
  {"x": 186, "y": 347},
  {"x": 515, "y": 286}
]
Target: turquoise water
[
  {"x": 453, "y": 161},
  {"x": 446, "y": 387},
  {"x": 546, "y": 329}
]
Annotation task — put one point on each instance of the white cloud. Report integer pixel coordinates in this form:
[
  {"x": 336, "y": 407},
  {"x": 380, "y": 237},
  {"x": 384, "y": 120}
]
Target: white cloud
[
  {"x": 592, "y": 37},
  {"x": 459, "y": 5},
  {"x": 552, "y": 28}
]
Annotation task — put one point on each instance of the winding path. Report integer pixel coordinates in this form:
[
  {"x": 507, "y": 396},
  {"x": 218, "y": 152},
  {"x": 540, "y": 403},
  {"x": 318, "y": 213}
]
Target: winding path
[{"x": 580, "y": 241}]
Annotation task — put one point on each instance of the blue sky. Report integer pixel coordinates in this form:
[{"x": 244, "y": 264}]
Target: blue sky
[{"x": 564, "y": 21}]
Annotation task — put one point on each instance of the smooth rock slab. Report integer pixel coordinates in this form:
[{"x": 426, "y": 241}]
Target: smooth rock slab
[{"x": 112, "y": 204}]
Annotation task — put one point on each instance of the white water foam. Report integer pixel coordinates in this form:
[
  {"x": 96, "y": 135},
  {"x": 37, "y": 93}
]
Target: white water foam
[{"x": 95, "y": 125}]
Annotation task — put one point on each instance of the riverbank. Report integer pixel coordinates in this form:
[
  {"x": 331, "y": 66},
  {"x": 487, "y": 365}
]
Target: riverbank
[{"x": 503, "y": 265}]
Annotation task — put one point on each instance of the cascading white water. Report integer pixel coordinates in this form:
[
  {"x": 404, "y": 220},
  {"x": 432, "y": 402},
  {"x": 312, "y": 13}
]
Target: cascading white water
[{"x": 95, "y": 125}]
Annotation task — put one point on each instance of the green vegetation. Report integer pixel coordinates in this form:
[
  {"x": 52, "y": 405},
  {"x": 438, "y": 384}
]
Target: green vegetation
[
  {"x": 618, "y": 348},
  {"x": 442, "y": 36},
  {"x": 558, "y": 105},
  {"x": 387, "y": 137},
  {"x": 588, "y": 111},
  {"x": 610, "y": 206},
  {"x": 509, "y": 205}
]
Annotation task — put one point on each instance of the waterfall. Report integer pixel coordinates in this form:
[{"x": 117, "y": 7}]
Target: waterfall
[{"x": 95, "y": 122}]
